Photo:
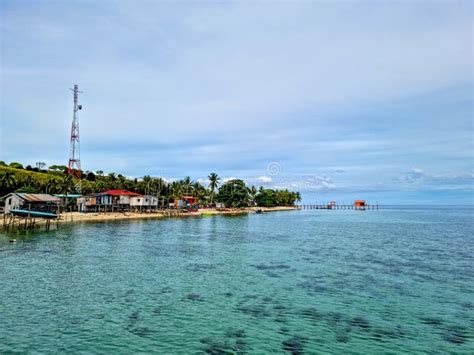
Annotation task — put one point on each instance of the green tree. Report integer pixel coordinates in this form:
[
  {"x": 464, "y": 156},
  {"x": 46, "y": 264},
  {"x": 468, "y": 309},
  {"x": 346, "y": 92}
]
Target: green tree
[
  {"x": 187, "y": 185},
  {"x": 67, "y": 184},
  {"x": 253, "y": 193},
  {"x": 176, "y": 190},
  {"x": 90, "y": 176},
  {"x": 234, "y": 193},
  {"x": 213, "y": 184},
  {"x": 16, "y": 165},
  {"x": 199, "y": 192},
  {"x": 58, "y": 168},
  {"x": 51, "y": 186},
  {"x": 272, "y": 198},
  {"x": 7, "y": 182}
]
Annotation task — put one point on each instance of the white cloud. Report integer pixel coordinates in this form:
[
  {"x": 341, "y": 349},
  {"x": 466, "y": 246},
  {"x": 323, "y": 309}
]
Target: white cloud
[{"x": 264, "y": 180}]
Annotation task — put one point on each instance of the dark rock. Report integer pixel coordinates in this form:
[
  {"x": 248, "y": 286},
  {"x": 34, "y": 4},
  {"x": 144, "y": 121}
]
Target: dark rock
[
  {"x": 342, "y": 337},
  {"x": 312, "y": 285},
  {"x": 133, "y": 318},
  {"x": 294, "y": 345},
  {"x": 200, "y": 267},
  {"x": 281, "y": 319},
  {"x": 272, "y": 267},
  {"x": 140, "y": 331},
  {"x": 432, "y": 320},
  {"x": 250, "y": 297},
  {"x": 455, "y": 335},
  {"x": 194, "y": 297},
  {"x": 216, "y": 347},
  {"x": 240, "y": 346},
  {"x": 360, "y": 322},
  {"x": 235, "y": 333},
  {"x": 257, "y": 311}
]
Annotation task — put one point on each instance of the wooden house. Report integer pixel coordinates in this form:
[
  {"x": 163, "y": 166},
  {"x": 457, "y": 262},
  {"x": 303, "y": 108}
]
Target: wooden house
[
  {"x": 33, "y": 202},
  {"x": 360, "y": 204},
  {"x": 111, "y": 200}
]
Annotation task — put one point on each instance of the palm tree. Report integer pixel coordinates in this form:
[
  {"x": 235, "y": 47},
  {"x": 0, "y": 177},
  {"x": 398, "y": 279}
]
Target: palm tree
[
  {"x": 213, "y": 183},
  {"x": 146, "y": 182},
  {"x": 67, "y": 184},
  {"x": 50, "y": 185},
  {"x": 298, "y": 196},
  {"x": 187, "y": 184},
  {"x": 122, "y": 179},
  {"x": 253, "y": 193},
  {"x": 7, "y": 181},
  {"x": 199, "y": 192},
  {"x": 176, "y": 189}
]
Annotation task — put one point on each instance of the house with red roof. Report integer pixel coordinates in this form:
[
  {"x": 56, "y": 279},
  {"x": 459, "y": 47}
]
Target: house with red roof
[{"x": 107, "y": 201}]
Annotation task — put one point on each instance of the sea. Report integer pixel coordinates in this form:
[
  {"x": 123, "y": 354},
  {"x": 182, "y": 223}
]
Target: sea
[{"x": 393, "y": 280}]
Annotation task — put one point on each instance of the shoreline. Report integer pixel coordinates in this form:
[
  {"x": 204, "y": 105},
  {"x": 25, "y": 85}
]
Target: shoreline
[{"x": 73, "y": 217}]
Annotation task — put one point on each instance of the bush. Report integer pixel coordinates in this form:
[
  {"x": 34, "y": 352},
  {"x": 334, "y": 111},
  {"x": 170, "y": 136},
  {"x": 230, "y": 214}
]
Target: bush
[{"x": 16, "y": 165}]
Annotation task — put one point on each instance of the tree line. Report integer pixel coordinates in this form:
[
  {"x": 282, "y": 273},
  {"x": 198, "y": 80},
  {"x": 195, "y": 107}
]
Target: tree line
[{"x": 56, "y": 180}]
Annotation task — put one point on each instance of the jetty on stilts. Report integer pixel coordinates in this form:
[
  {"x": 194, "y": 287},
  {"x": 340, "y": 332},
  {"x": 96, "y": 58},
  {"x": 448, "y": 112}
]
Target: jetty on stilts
[
  {"x": 18, "y": 219},
  {"x": 359, "y": 205}
]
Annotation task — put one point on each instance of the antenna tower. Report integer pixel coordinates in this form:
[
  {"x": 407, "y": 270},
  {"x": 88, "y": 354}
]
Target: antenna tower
[{"x": 74, "y": 166}]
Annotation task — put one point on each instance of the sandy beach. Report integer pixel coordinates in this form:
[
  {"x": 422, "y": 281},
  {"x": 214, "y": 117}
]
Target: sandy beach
[{"x": 115, "y": 216}]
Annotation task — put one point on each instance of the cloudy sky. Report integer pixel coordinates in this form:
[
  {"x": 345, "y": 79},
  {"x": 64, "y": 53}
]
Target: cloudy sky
[{"x": 340, "y": 100}]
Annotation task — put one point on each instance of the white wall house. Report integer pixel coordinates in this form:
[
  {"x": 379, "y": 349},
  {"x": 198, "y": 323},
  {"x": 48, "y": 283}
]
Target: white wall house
[{"x": 145, "y": 201}]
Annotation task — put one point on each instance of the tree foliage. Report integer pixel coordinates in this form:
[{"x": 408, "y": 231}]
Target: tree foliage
[
  {"x": 272, "y": 198},
  {"x": 234, "y": 193},
  {"x": 55, "y": 180}
]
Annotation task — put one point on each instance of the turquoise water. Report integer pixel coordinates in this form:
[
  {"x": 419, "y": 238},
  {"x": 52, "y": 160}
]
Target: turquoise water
[{"x": 391, "y": 281}]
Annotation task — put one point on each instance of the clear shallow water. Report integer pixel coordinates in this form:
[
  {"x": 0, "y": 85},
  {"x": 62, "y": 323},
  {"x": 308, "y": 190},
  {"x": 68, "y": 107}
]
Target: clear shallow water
[{"x": 396, "y": 280}]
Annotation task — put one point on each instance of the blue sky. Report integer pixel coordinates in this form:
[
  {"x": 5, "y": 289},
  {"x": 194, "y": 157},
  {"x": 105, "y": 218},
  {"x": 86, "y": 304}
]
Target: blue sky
[{"x": 340, "y": 100}]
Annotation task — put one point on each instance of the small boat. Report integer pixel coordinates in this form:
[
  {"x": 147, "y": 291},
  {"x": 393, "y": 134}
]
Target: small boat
[
  {"x": 258, "y": 211},
  {"x": 29, "y": 213}
]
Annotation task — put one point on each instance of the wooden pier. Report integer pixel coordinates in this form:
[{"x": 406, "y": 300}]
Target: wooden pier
[
  {"x": 338, "y": 207},
  {"x": 12, "y": 223}
]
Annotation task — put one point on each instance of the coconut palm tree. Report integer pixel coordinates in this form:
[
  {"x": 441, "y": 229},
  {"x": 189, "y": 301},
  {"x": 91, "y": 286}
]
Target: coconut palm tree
[
  {"x": 67, "y": 184},
  {"x": 176, "y": 189},
  {"x": 7, "y": 182},
  {"x": 187, "y": 185},
  {"x": 146, "y": 183},
  {"x": 50, "y": 186},
  {"x": 213, "y": 184},
  {"x": 253, "y": 194},
  {"x": 199, "y": 192}
]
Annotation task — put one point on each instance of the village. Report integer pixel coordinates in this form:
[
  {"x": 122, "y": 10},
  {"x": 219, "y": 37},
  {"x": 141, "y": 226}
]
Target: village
[{"x": 29, "y": 210}]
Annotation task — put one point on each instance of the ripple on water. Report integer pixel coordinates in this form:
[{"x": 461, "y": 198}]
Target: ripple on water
[{"x": 343, "y": 282}]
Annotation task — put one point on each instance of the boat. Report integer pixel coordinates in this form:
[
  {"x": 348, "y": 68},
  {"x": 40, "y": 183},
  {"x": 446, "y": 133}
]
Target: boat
[{"x": 30, "y": 213}]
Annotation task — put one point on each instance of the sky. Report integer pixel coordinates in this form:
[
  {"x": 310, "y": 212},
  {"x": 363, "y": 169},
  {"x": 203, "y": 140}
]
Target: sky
[{"x": 340, "y": 100}]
